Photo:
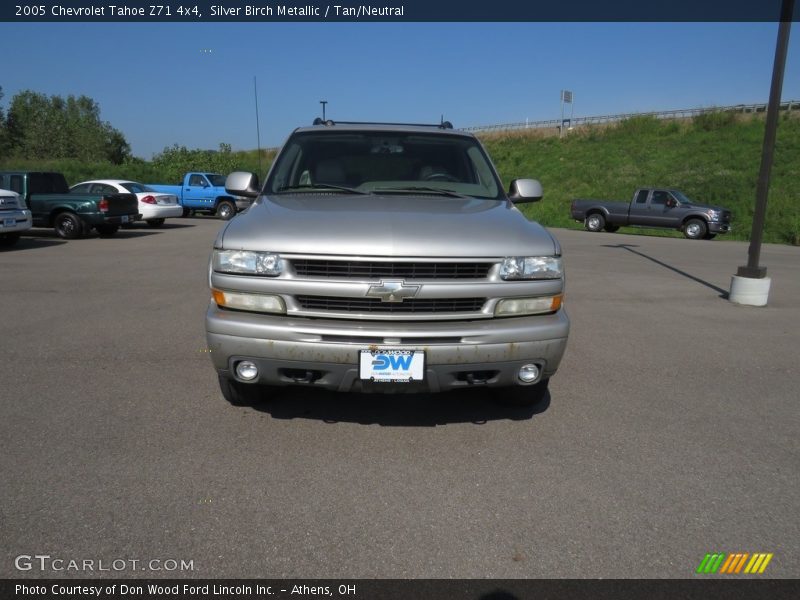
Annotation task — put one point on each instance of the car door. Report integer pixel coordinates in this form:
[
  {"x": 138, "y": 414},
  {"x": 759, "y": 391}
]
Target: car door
[
  {"x": 198, "y": 191},
  {"x": 639, "y": 211},
  {"x": 661, "y": 206}
]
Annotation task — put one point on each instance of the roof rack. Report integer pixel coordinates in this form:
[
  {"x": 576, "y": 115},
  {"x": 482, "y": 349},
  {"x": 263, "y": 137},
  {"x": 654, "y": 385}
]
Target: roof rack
[{"x": 332, "y": 123}]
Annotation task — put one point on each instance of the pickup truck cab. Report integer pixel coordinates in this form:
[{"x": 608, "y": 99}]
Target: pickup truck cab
[
  {"x": 385, "y": 258},
  {"x": 204, "y": 192},
  {"x": 654, "y": 207},
  {"x": 14, "y": 218},
  {"x": 71, "y": 215}
]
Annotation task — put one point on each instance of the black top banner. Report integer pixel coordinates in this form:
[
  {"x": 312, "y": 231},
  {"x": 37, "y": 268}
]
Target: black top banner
[{"x": 195, "y": 11}]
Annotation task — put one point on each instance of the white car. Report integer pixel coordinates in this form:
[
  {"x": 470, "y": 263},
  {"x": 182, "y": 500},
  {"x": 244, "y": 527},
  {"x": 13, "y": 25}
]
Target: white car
[
  {"x": 154, "y": 206},
  {"x": 14, "y": 217}
]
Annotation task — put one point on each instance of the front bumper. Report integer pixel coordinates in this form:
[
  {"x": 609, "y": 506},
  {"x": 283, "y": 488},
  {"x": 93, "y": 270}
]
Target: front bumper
[
  {"x": 717, "y": 227},
  {"x": 14, "y": 221},
  {"x": 325, "y": 352}
]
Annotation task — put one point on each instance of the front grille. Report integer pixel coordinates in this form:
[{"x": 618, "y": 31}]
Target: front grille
[
  {"x": 375, "y": 305},
  {"x": 351, "y": 269}
]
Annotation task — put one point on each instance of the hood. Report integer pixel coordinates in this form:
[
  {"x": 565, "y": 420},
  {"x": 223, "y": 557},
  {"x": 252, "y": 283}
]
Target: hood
[{"x": 391, "y": 225}]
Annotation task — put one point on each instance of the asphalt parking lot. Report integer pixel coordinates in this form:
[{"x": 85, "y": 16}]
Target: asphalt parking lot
[{"x": 671, "y": 429}]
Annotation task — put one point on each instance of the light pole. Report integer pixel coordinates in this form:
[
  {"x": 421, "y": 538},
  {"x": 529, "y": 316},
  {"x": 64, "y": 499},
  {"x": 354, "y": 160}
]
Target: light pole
[
  {"x": 751, "y": 285},
  {"x": 323, "y": 102}
]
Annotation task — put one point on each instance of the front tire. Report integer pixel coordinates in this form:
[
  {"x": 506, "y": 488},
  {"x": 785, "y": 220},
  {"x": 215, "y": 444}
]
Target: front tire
[
  {"x": 155, "y": 222},
  {"x": 226, "y": 210},
  {"x": 524, "y": 395},
  {"x": 595, "y": 222},
  {"x": 695, "y": 229},
  {"x": 242, "y": 394},
  {"x": 68, "y": 226}
]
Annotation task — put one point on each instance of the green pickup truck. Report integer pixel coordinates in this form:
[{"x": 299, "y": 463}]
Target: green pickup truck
[{"x": 71, "y": 215}]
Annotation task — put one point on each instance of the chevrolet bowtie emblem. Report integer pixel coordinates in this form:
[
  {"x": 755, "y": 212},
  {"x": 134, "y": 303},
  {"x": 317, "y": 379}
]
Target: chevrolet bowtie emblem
[{"x": 392, "y": 291}]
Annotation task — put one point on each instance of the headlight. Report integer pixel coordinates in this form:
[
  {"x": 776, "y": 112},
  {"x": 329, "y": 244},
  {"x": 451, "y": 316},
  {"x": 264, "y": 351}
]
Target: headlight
[
  {"x": 251, "y": 302},
  {"x": 513, "y": 307},
  {"x": 248, "y": 262},
  {"x": 713, "y": 214},
  {"x": 531, "y": 267}
]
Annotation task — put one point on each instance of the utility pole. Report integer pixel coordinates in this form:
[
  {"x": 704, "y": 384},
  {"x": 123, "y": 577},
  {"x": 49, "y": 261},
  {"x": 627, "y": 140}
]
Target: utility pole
[
  {"x": 751, "y": 285},
  {"x": 258, "y": 127}
]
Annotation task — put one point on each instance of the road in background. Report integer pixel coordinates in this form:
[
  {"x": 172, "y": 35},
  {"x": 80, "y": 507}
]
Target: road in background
[{"x": 671, "y": 429}]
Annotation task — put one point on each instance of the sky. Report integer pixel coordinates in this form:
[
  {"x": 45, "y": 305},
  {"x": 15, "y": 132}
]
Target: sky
[{"x": 193, "y": 84}]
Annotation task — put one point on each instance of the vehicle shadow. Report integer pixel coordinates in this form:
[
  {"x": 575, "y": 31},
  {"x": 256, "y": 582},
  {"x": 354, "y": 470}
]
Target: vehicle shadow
[
  {"x": 630, "y": 248},
  {"x": 29, "y": 243},
  {"x": 145, "y": 227},
  {"x": 477, "y": 406}
]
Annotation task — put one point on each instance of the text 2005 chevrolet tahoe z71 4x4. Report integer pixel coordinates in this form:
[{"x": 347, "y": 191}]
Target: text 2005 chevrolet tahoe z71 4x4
[{"x": 383, "y": 257}]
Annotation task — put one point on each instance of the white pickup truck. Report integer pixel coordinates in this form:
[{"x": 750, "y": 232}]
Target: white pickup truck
[{"x": 14, "y": 218}]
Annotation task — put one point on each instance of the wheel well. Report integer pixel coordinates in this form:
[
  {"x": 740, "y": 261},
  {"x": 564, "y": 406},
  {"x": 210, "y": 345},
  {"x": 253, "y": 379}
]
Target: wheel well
[
  {"x": 57, "y": 211},
  {"x": 690, "y": 217},
  {"x": 224, "y": 199}
]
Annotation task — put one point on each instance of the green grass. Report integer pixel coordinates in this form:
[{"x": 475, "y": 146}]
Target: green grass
[{"x": 714, "y": 159}]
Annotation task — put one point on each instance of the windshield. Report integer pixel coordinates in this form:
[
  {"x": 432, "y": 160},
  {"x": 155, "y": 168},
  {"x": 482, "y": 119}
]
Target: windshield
[
  {"x": 682, "y": 198},
  {"x": 384, "y": 162},
  {"x": 136, "y": 188},
  {"x": 216, "y": 180}
]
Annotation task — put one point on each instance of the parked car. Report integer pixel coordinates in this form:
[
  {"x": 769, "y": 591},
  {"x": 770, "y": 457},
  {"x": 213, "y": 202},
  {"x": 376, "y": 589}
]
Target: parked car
[
  {"x": 154, "y": 206},
  {"x": 205, "y": 192},
  {"x": 385, "y": 257},
  {"x": 14, "y": 217},
  {"x": 71, "y": 215},
  {"x": 654, "y": 207}
]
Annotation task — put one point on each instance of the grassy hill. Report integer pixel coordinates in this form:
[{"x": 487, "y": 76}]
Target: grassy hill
[{"x": 713, "y": 158}]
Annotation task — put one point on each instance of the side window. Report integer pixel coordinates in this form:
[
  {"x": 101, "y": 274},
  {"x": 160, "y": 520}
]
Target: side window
[
  {"x": 15, "y": 183},
  {"x": 641, "y": 197},
  {"x": 196, "y": 180},
  {"x": 659, "y": 197},
  {"x": 81, "y": 189}
]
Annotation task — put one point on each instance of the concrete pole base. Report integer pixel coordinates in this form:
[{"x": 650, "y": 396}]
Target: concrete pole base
[{"x": 749, "y": 291}]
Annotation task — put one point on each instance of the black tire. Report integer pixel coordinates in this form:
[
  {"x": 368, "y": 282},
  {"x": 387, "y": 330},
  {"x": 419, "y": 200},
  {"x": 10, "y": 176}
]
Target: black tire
[
  {"x": 709, "y": 236},
  {"x": 155, "y": 222},
  {"x": 524, "y": 395},
  {"x": 9, "y": 239},
  {"x": 695, "y": 229},
  {"x": 186, "y": 212},
  {"x": 595, "y": 222},
  {"x": 242, "y": 394},
  {"x": 68, "y": 226},
  {"x": 226, "y": 210},
  {"x": 106, "y": 230},
  {"x": 611, "y": 228}
]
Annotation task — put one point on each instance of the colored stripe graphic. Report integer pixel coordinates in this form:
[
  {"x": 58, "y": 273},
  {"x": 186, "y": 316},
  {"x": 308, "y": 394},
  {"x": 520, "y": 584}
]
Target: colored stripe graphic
[
  {"x": 711, "y": 563},
  {"x": 734, "y": 564}
]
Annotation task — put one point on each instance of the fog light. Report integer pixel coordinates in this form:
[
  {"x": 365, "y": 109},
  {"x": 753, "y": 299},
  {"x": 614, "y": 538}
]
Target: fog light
[
  {"x": 528, "y": 373},
  {"x": 246, "y": 370}
]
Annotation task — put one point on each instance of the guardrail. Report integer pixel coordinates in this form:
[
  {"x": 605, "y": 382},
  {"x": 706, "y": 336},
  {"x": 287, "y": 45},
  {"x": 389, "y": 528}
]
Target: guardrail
[{"x": 664, "y": 114}]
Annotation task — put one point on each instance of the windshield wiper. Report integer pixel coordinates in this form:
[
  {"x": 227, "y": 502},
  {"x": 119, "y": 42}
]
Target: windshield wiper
[
  {"x": 419, "y": 188},
  {"x": 324, "y": 186}
]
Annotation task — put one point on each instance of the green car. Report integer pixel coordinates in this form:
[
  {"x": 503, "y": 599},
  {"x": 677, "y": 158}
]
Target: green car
[{"x": 71, "y": 215}]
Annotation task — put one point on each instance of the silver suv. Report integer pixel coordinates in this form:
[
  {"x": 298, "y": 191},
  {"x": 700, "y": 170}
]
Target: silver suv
[
  {"x": 14, "y": 217},
  {"x": 385, "y": 257}
]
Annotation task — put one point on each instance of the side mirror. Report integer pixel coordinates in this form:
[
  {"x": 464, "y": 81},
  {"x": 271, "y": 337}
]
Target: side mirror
[
  {"x": 525, "y": 190},
  {"x": 242, "y": 183}
]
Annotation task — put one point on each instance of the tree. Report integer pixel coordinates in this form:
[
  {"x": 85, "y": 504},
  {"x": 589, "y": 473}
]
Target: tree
[
  {"x": 4, "y": 140},
  {"x": 44, "y": 127}
]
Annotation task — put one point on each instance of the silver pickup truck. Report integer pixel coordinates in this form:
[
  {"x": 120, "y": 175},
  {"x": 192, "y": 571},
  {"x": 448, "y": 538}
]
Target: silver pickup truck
[
  {"x": 654, "y": 207},
  {"x": 385, "y": 257}
]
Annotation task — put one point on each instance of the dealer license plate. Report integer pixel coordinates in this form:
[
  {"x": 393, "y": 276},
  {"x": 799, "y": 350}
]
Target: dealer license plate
[
  {"x": 392, "y": 365},
  {"x": 124, "y": 218},
  {"x": 9, "y": 222}
]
